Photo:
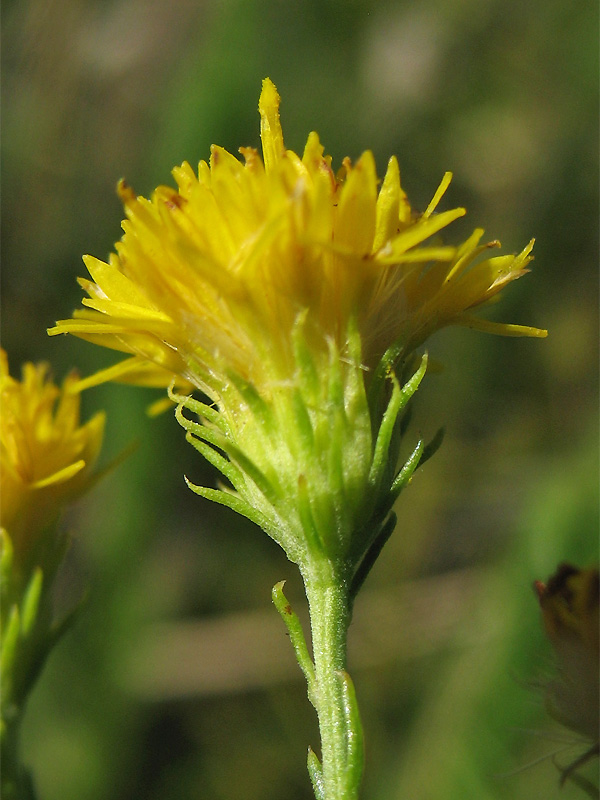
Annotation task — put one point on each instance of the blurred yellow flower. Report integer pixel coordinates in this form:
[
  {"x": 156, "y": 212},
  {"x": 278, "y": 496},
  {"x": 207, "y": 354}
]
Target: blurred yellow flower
[
  {"x": 210, "y": 279},
  {"x": 570, "y": 609},
  {"x": 570, "y": 604},
  {"x": 46, "y": 456}
]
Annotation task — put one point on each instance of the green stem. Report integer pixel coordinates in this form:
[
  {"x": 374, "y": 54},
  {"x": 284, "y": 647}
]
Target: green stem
[
  {"x": 15, "y": 782},
  {"x": 339, "y": 722}
]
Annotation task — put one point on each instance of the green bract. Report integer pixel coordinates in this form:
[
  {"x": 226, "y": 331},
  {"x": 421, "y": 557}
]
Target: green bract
[{"x": 316, "y": 466}]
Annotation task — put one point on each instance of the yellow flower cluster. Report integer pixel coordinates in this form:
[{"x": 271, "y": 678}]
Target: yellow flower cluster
[
  {"x": 210, "y": 279},
  {"x": 46, "y": 456}
]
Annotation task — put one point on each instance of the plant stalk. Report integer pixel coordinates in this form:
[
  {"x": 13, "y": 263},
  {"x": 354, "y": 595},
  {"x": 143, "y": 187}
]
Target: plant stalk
[{"x": 339, "y": 722}]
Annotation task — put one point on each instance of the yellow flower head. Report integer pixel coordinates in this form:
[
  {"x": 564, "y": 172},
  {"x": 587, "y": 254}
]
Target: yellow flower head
[
  {"x": 211, "y": 278},
  {"x": 46, "y": 456},
  {"x": 288, "y": 293}
]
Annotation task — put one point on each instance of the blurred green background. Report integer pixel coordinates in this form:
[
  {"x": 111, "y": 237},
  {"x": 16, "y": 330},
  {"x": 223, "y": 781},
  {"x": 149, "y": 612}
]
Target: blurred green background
[{"x": 178, "y": 680}]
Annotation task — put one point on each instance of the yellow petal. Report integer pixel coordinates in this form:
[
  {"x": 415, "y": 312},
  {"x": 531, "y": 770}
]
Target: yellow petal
[
  {"x": 355, "y": 223},
  {"x": 270, "y": 127},
  {"x": 388, "y": 206}
]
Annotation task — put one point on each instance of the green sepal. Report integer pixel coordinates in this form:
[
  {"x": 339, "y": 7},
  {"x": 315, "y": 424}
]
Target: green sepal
[
  {"x": 304, "y": 427},
  {"x": 416, "y": 459},
  {"x": 316, "y": 774},
  {"x": 372, "y": 555},
  {"x": 237, "y": 472},
  {"x": 234, "y": 502},
  {"x": 381, "y": 453},
  {"x": 398, "y": 401},
  {"x": 31, "y": 603},
  {"x": 413, "y": 383},
  {"x": 248, "y": 468},
  {"x": 314, "y": 542},
  {"x": 259, "y": 408},
  {"x": 355, "y": 403},
  {"x": 209, "y": 441},
  {"x": 381, "y": 373},
  {"x": 217, "y": 437},
  {"x": 419, "y": 456},
  {"x": 271, "y": 523},
  {"x": 335, "y": 387},
  {"x": 586, "y": 786},
  {"x": 6, "y": 558},
  {"x": 335, "y": 465},
  {"x": 224, "y": 466},
  {"x": 569, "y": 773},
  {"x": 58, "y": 629},
  {"x": 6, "y": 576},
  {"x": 432, "y": 447},
  {"x": 213, "y": 415},
  {"x": 309, "y": 377},
  {"x": 10, "y": 640},
  {"x": 402, "y": 479}
]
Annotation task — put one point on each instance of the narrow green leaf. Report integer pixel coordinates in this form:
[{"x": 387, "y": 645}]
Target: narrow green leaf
[
  {"x": 355, "y": 754},
  {"x": 297, "y": 639},
  {"x": 316, "y": 774}
]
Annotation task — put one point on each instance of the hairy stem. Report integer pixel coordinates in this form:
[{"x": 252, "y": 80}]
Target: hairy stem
[{"x": 339, "y": 722}]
